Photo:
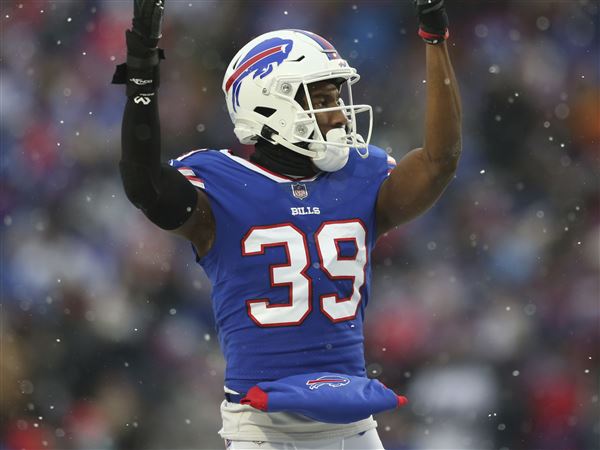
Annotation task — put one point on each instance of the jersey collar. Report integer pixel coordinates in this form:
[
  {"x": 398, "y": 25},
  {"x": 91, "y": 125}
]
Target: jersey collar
[{"x": 265, "y": 172}]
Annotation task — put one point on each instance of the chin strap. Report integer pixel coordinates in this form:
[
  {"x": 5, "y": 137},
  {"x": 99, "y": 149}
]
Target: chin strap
[
  {"x": 303, "y": 151},
  {"x": 313, "y": 153},
  {"x": 271, "y": 136}
]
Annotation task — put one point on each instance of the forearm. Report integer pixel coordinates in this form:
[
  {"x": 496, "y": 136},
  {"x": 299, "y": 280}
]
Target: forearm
[
  {"x": 164, "y": 195},
  {"x": 140, "y": 135},
  {"x": 422, "y": 174},
  {"x": 442, "y": 142},
  {"x": 160, "y": 191}
]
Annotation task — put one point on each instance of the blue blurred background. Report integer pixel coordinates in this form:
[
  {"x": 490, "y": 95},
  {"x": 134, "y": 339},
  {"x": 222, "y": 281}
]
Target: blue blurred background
[{"x": 485, "y": 311}]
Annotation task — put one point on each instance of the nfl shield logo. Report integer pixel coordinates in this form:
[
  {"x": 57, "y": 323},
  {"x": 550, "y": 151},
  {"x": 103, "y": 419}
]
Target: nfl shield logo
[{"x": 299, "y": 190}]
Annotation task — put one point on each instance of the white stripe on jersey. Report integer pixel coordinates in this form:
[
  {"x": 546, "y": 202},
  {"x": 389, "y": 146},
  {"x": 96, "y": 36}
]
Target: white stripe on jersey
[
  {"x": 196, "y": 182},
  {"x": 187, "y": 172},
  {"x": 191, "y": 177},
  {"x": 185, "y": 155}
]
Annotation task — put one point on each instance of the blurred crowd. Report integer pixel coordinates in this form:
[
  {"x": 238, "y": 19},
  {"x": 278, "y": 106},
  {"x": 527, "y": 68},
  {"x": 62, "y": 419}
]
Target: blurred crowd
[{"x": 484, "y": 312}]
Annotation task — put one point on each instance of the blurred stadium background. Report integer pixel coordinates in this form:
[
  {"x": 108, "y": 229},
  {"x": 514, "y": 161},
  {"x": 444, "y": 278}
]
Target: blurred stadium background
[{"x": 485, "y": 311}]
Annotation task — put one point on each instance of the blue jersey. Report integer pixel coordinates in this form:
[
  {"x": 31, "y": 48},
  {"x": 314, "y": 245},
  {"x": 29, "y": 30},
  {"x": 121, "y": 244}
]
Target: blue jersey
[{"x": 290, "y": 263}]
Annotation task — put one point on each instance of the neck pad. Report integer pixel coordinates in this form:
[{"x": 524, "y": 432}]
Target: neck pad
[{"x": 281, "y": 160}]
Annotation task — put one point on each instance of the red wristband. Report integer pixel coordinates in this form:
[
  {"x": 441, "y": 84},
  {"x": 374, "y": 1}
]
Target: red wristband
[{"x": 432, "y": 38}]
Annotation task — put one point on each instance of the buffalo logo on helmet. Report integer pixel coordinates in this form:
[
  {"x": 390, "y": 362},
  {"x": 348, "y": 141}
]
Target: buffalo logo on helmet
[
  {"x": 333, "y": 381},
  {"x": 260, "y": 61}
]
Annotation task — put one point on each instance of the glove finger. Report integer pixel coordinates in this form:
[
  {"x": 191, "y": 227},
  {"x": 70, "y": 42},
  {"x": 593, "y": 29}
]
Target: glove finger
[
  {"x": 428, "y": 6},
  {"x": 137, "y": 8},
  {"x": 432, "y": 8},
  {"x": 157, "y": 17},
  {"x": 142, "y": 11},
  {"x": 149, "y": 10}
]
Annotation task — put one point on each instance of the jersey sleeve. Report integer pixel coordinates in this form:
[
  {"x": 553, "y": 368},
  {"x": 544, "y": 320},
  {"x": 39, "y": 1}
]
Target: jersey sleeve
[
  {"x": 185, "y": 165},
  {"x": 380, "y": 164}
]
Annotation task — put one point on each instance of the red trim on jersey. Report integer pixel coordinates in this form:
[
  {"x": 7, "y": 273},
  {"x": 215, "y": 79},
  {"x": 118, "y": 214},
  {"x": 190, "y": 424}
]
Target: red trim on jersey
[{"x": 194, "y": 179}]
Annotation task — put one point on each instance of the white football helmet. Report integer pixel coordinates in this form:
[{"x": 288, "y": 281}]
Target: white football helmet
[{"x": 261, "y": 84}]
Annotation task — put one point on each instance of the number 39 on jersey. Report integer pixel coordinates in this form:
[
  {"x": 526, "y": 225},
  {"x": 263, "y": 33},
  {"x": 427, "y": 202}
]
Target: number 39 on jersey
[{"x": 293, "y": 271}]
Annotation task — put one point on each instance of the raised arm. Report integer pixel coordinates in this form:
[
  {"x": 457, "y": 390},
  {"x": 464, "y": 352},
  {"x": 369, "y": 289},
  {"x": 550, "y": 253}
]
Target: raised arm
[
  {"x": 164, "y": 195},
  {"x": 422, "y": 175}
]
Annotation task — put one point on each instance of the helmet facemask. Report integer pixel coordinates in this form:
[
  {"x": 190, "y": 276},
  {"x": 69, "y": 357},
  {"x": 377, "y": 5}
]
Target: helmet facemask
[
  {"x": 350, "y": 137},
  {"x": 304, "y": 135}
]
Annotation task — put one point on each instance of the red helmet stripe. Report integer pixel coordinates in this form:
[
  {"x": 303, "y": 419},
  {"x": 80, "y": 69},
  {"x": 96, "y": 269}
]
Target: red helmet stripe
[
  {"x": 329, "y": 49},
  {"x": 324, "y": 42}
]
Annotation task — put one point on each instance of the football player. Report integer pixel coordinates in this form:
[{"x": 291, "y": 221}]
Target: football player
[{"x": 286, "y": 236}]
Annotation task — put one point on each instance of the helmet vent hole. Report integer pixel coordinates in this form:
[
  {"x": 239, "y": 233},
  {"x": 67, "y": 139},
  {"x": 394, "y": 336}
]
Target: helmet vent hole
[
  {"x": 297, "y": 60},
  {"x": 264, "y": 111}
]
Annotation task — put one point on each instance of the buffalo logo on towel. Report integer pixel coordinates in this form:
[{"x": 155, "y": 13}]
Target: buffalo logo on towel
[{"x": 330, "y": 380}]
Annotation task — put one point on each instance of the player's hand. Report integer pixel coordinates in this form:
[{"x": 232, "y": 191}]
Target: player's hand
[
  {"x": 433, "y": 20},
  {"x": 140, "y": 73},
  {"x": 147, "y": 20},
  {"x": 145, "y": 32}
]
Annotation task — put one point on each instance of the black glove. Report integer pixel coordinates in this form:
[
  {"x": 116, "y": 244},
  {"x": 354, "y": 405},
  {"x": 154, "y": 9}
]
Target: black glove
[
  {"x": 140, "y": 73},
  {"x": 147, "y": 20},
  {"x": 433, "y": 20}
]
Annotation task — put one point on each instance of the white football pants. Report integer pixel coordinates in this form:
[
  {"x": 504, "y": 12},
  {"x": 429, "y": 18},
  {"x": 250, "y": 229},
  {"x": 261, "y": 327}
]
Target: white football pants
[{"x": 368, "y": 440}]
